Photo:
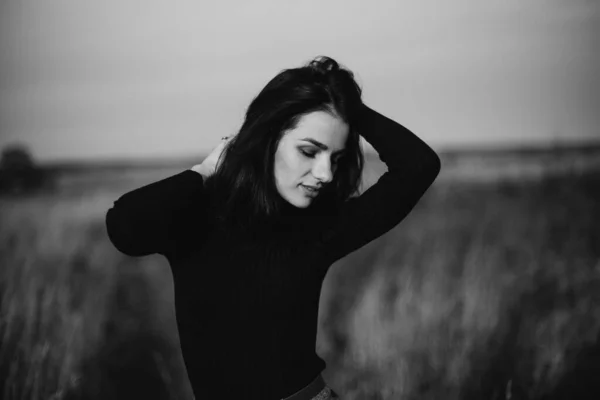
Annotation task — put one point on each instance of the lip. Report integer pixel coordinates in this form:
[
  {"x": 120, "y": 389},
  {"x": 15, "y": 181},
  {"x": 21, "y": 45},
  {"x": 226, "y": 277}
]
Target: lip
[{"x": 313, "y": 192}]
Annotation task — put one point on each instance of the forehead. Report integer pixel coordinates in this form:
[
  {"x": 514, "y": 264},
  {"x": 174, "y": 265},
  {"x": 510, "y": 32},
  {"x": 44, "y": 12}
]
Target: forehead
[{"x": 323, "y": 127}]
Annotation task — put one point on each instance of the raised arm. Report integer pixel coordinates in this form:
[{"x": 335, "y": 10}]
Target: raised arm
[
  {"x": 158, "y": 217},
  {"x": 412, "y": 168}
]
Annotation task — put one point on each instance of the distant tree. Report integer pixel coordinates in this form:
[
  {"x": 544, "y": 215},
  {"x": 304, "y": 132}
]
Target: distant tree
[
  {"x": 16, "y": 156},
  {"x": 19, "y": 173}
]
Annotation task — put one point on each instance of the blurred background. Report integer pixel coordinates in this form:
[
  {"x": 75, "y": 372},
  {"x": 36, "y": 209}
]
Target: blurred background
[{"x": 488, "y": 290}]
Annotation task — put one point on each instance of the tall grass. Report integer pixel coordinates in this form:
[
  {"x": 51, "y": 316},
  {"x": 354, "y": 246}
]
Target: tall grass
[
  {"x": 78, "y": 319},
  {"x": 486, "y": 291}
]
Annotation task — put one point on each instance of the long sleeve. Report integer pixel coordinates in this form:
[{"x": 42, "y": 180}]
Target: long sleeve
[
  {"x": 160, "y": 216},
  {"x": 412, "y": 168}
]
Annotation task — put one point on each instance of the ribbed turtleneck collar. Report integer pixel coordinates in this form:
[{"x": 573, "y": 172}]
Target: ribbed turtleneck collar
[
  {"x": 291, "y": 222},
  {"x": 289, "y": 210}
]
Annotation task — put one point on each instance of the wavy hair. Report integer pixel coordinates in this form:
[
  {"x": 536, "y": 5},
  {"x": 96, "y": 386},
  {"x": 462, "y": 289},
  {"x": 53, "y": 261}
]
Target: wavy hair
[{"x": 243, "y": 188}]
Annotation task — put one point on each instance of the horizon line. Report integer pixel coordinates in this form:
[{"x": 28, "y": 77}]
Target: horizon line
[{"x": 587, "y": 144}]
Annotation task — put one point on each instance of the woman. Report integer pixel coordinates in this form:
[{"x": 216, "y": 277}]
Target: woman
[{"x": 250, "y": 241}]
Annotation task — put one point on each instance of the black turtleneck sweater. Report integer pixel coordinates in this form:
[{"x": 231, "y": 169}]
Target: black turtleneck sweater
[{"x": 247, "y": 302}]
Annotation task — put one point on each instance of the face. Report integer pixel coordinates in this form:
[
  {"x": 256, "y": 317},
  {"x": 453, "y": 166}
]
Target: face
[{"x": 307, "y": 156}]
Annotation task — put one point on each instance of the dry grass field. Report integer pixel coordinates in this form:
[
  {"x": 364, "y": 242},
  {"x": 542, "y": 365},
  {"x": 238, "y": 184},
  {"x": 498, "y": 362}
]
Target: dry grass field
[{"x": 490, "y": 289}]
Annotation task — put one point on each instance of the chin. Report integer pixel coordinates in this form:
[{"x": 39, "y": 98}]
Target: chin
[
  {"x": 299, "y": 202},
  {"x": 302, "y": 203},
  {"x": 296, "y": 198}
]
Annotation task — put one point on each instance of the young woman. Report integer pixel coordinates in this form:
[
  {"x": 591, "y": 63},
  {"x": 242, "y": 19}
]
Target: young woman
[{"x": 251, "y": 232}]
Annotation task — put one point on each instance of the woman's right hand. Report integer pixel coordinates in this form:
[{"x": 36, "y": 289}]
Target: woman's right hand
[{"x": 212, "y": 161}]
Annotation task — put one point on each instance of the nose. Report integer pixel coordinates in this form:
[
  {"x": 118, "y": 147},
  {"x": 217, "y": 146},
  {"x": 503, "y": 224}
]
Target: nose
[{"x": 322, "y": 171}]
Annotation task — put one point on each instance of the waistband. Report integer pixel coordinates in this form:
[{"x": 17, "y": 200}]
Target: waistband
[{"x": 316, "y": 388}]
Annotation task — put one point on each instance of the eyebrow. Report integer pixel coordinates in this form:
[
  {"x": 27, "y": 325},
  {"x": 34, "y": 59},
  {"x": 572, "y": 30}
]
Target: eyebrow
[{"x": 321, "y": 145}]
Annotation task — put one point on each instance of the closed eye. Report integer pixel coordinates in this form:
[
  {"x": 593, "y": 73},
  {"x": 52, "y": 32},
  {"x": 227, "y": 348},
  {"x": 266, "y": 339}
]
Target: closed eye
[
  {"x": 312, "y": 155},
  {"x": 309, "y": 155}
]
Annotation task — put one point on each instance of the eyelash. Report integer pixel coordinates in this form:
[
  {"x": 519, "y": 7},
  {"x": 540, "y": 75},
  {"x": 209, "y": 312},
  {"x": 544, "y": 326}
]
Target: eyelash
[{"x": 312, "y": 155}]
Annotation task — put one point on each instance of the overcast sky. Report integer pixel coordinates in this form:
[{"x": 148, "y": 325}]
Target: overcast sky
[{"x": 124, "y": 78}]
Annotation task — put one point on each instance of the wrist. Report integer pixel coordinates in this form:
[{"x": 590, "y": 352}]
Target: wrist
[{"x": 201, "y": 170}]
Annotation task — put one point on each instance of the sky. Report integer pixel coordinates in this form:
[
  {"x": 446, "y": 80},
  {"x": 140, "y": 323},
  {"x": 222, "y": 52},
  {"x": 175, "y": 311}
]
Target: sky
[{"x": 82, "y": 80}]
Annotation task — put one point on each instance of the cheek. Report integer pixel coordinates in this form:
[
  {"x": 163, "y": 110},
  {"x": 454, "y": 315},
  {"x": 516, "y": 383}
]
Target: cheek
[
  {"x": 284, "y": 172},
  {"x": 293, "y": 168}
]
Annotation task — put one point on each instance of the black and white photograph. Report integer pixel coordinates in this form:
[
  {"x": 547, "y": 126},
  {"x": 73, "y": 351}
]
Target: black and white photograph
[{"x": 300, "y": 200}]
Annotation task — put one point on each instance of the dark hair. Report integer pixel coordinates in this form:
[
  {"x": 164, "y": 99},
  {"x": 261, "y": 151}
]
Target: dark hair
[{"x": 243, "y": 189}]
